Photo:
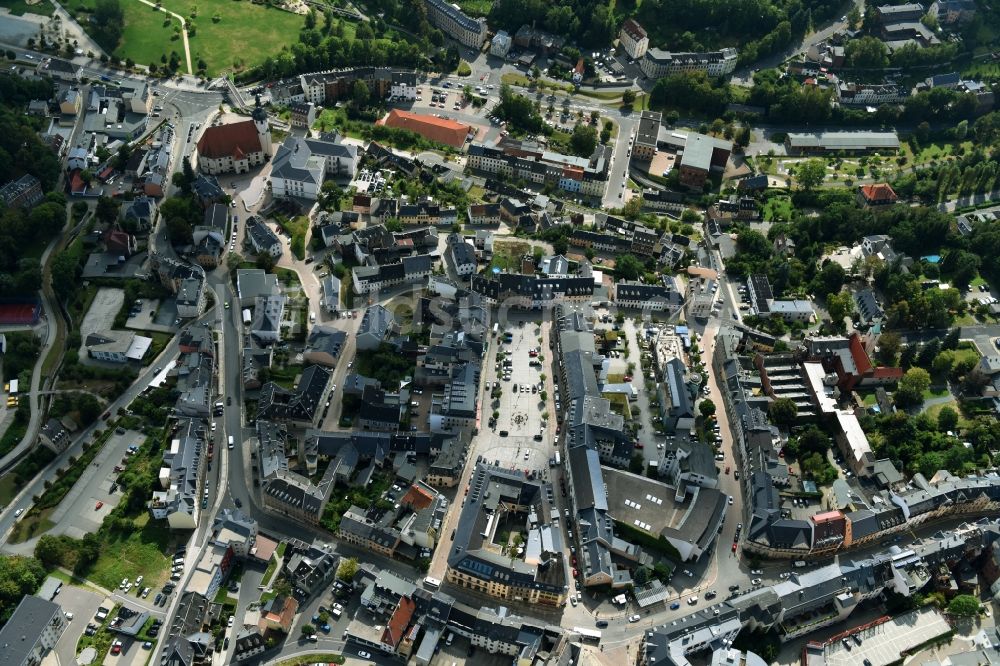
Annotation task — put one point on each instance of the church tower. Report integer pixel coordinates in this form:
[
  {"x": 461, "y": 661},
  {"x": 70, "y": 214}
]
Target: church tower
[{"x": 263, "y": 130}]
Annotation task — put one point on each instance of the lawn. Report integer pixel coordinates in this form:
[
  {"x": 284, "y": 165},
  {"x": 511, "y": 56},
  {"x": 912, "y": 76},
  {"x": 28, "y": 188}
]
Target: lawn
[
  {"x": 934, "y": 410},
  {"x": 507, "y": 255},
  {"x": 142, "y": 551},
  {"x": 476, "y": 7},
  {"x": 223, "y": 45},
  {"x": 297, "y": 229},
  {"x": 20, "y": 7},
  {"x": 313, "y": 658},
  {"x": 778, "y": 209},
  {"x": 148, "y": 35}
]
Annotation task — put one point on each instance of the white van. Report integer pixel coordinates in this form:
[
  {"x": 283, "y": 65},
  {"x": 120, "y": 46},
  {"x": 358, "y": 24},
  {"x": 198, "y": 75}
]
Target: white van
[
  {"x": 432, "y": 583},
  {"x": 231, "y": 444},
  {"x": 312, "y": 317}
]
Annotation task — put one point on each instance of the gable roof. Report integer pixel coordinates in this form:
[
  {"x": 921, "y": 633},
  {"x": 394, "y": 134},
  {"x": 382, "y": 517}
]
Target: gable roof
[
  {"x": 878, "y": 193},
  {"x": 235, "y": 140},
  {"x": 442, "y": 130}
]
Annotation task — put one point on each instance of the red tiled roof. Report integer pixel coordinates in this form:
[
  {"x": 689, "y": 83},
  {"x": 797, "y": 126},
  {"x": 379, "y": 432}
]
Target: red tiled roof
[
  {"x": 630, "y": 27},
  {"x": 235, "y": 140},
  {"x": 861, "y": 361},
  {"x": 442, "y": 130},
  {"x": 418, "y": 498},
  {"x": 878, "y": 193},
  {"x": 395, "y": 628}
]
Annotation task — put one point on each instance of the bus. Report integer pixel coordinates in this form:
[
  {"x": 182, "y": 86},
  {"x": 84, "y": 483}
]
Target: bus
[{"x": 588, "y": 634}]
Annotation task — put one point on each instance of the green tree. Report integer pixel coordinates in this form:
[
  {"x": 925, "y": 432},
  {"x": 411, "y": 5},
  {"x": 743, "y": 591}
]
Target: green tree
[
  {"x": 889, "y": 345},
  {"x": 632, "y": 208},
  {"x": 707, "y": 408},
  {"x": 947, "y": 419},
  {"x": 853, "y": 17},
  {"x": 912, "y": 386},
  {"x": 964, "y": 605},
  {"x": 868, "y": 52},
  {"x": 360, "y": 94},
  {"x": 88, "y": 407},
  {"x": 50, "y": 550},
  {"x": 308, "y": 630},
  {"x": 839, "y": 306},
  {"x": 583, "y": 140},
  {"x": 108, "y": 23},
  {"x": 810, "y": 174},
  {"x": 347, "y": 569},
  {"x": 628, "y": 97},
  {"x": 628, "y": 267},
  {"x": 783, "y": 411}
]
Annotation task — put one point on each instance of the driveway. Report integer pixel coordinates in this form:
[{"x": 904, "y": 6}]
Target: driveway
[{"x": 83, "y": 604}]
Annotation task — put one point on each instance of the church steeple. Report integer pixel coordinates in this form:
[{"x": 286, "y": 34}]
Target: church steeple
[{"x": 259, "y": 116}]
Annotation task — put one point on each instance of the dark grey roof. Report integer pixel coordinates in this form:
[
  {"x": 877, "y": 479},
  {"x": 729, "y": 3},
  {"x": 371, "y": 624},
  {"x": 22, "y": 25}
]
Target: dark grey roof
[
  {"x": 280, "y": 404},
  {"x": 24, "y": 628}
]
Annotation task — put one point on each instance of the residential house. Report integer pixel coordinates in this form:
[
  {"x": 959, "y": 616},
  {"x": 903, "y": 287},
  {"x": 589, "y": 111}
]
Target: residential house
[
  {"x": 190, "y": 298},
  {"x": 252, "y": 283},
  {"x": 32, "y": 631},
  {"x": 462, "y": 256},
  {"x": 268, "y": 313},
  {"x": 25, "y": 192},
  {"x": 301, "y": 406},
  {"x": 647, "y": 297},
  {"x": 70, "y": 102},
  {"x": 500, "y": 44},
  {"x": 633, "y": 39},
  {"x": 483, "y": 214},
  {"x": 377, "y": 324},
  {"x": 323, "y": 346},
  {"x": 657, "y": 63},
  {"x": 411, "y": 270},
  {"x": 61, "y": 70},
  {"x": 876, "y": 195},
  {"x": 303, "y": 114},
  {"x": 277, "y": 614},
  {"x": 467, "y": 31},
  {"x": 261, "y": 238},
  {"x": 138, "y": 214}
]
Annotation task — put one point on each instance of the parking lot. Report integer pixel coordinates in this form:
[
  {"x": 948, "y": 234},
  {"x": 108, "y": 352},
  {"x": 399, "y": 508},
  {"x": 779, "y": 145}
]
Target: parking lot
[
  {"x": 82, "y": 604},
  {"x": 91, "y": 499},
  {"x": 517, "y": 440}
]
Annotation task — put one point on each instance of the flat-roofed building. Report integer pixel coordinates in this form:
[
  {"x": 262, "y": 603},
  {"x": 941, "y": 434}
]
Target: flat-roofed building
[{"x": 844, "y": 142}]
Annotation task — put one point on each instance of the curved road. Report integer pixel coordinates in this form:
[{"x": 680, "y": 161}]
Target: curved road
[{"x": 53, "y": 322}]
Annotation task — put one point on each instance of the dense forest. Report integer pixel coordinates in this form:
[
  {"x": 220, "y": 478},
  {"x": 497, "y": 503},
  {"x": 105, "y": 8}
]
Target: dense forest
[{"x": 23, "y": 234}]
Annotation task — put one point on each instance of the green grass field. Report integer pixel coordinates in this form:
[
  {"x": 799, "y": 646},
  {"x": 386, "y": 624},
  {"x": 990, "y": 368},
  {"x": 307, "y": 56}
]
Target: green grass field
[
  {"x": 245, "y": 34},
  {"x": 147, "y": 35},
  {"x": 476, "y": 7},
  {"x": 141, "y": 552},
  {"x": 20, "y": 7}
]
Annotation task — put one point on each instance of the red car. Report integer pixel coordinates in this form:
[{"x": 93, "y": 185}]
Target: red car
[
  {"x": 574, "y": 560},
  {"x": 727, "y": 469},
  {"x": 734, "y": 546},
  {"x": 628, "y": 378},
  {"x": 98, "y": 505},
  {"x": 575, "y": 574},
  {"x": 638, "y": 446},
  {"x": 116, "y": 648}
]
